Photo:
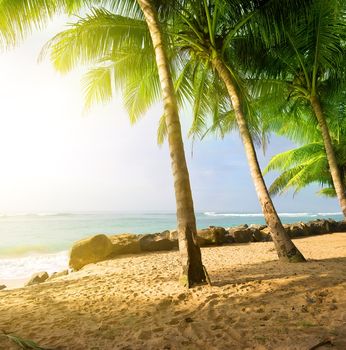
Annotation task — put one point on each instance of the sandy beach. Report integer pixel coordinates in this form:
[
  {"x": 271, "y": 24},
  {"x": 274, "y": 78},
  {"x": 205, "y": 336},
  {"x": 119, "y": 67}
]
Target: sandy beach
[{"x": 135, "y": 302}]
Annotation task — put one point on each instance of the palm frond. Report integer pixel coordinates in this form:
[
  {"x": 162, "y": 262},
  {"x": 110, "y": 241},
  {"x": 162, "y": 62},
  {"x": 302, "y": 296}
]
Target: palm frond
[
  {"x": 97, "y": 85},
  {"x": 327, "y": 192},
  {"x": 25, "y": 344},
  {"x": 98, "y": 35},
  {"x": 300, "y": 176},
  {"x": 19, "y": 18},
  {"x": 285, "y": 160},
  {"x": 162, "y": 131}
]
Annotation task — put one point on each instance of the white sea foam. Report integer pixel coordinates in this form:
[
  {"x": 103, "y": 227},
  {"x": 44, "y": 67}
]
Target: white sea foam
[
  {"x": 288, "y": 215},
  {"x": 211, "y": 213},
  {"x": 333, "y": 214},
  {"x": 294, "y": 215},
  {"x": 9, "y": 215},
  {"x": 24, "y": 267}
]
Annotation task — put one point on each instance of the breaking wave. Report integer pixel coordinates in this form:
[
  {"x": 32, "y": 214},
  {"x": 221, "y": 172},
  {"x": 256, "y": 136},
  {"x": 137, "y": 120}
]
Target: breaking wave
[
  {"x": 10, "y": 215},
  {"x": 332, "y": 214},
  {"x": 24, "y": 267},
  {"x": 287, "y": 215}
]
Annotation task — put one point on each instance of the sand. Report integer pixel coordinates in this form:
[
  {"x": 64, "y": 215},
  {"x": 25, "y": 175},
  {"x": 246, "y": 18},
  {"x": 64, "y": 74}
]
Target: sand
[
  {"x": 14, "y": 283},
  {"x": 135, "y": 302}
]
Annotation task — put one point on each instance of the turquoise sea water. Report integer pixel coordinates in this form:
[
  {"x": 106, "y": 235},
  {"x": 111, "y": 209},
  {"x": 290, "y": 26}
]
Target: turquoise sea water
[{"x": 36, "y": 242}]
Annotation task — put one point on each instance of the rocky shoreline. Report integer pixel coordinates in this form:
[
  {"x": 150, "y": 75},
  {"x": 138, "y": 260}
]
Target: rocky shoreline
[{"x": 104, "y": 247}]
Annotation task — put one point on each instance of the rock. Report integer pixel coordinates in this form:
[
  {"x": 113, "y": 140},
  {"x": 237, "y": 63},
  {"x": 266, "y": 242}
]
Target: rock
[
  {"x": 164, "y": 234},
  {"x": 173, "y": 235},
  {"x": 90, "y": 250},
  {"x": 2, "y": 286},
  {"x": 262, "y": 235},
  {"x": 256, "y": 227},
  {"x": 333, "y": 225},
  {"x": 239, "y": 227},
  {"x": 241, "y": 234},
  {"x": 157, "y": 242},
  {"x": 126, "y": 243},
  {"x": 58, "y": 274},
  {"x": 37, "y": 278},
  {"x": 229, "y": 239},
  {"x": 297, "y": 230},
  {"x": 286, "y": 227},
  {"x": 318, "y": 227},
  {"x": 211, "y": 236},
  {"x": 202, "y": 242},
  {"x": 340, "y": 226}
]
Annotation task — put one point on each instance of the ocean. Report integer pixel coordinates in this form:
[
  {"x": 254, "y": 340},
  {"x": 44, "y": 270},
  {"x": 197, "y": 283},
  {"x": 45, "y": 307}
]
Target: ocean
[{"x": 31, "y": 243}]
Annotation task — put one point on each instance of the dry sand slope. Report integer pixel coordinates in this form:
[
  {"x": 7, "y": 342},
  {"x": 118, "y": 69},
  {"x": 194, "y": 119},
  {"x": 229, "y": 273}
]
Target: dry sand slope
[{"x": 134, "y": 302}]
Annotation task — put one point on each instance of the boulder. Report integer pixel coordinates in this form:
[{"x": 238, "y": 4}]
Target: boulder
[
  {"x": 202, "y": 242},
  {"x": 257, "y": 234},
  {"x": 164, "y": 234},
  {"x": 286, "y": 227},
  {"x": 58, "y": 274},
  {"x": 229, "y": 239},
  {"x": 37, "y": 278},
  {"x": 241, "y": 234},
  {"x": 2, "y": 286},
  {"x": 211, "y": 236},
  {"x": 257, "y": 227},
  {"x": 297, "y": 230},
  {"x": 262, "y": 235},
  {"x": 126, "y": 243},
  {"x": 173, "y": 235},
  {"x": 239, "y": 227},
  {"x": 318, "y": 227},
  {"x": 157, "y": 241},
  {"x": 340, "y": 226},
  {"x": 333, "y": 225},
  {"x": 90, "y": 250}
]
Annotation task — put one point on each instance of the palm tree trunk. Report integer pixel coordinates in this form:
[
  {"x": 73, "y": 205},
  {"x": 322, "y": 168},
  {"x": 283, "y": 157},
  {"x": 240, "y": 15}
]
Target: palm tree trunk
[
  {"x": 333, "y": 166},
  {"x": 192, "y": 268},
  {"x": 285, "y": 248}
]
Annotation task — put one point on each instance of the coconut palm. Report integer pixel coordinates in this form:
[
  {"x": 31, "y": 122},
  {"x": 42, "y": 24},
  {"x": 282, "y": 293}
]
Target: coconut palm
[
  {"x": 308, "y": 163},
  {"x": 19, "y": 17},
  {"x": 211, "y": 32},
  {"x": 309, "y": 63},
  {"x": 190, "y": 252}
]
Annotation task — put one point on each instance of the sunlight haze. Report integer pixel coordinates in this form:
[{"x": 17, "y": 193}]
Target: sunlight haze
[{"x": 54, "y": 157}]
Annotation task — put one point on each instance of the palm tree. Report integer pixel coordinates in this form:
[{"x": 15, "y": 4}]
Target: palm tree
[
  {"x": 309, "y": 61},
  {"x": 190, "y": 252},
  {"x": 210, "y": 31},
  {"x": 308, "y": 163},
  {"x": 36, "y": 13}
]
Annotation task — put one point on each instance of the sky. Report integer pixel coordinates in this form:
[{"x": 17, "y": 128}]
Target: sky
[{"x": 57, "y": 158}]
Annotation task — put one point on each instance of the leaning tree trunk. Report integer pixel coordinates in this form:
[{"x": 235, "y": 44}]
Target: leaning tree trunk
[
  {"x": 333, "y": 166},
  {"x": 192, "y": 268},
  {"x": 285, "y": 248}
]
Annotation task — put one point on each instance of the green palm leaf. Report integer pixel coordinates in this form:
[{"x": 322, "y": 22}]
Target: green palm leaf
[{"x": 25, "y": 344}]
